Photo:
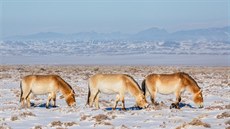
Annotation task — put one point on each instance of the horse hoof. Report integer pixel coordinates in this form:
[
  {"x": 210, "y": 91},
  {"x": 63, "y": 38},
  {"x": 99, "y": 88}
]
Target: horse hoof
[
  {"x": 173, "y": 105},
  {"x": 123, "y": 109},
  {"x": 156, "y": 103}
]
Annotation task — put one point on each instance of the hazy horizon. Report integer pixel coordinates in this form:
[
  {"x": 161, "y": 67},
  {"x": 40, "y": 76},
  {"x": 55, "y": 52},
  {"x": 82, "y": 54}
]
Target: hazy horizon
[{"x": 29, "y": 17}]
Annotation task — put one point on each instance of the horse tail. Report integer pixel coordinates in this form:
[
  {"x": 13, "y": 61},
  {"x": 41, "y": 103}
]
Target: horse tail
[
  {"x": 89, "y": 93},
  {"x": 143, "y": 86},
  {"x": 21, "y": 91}
]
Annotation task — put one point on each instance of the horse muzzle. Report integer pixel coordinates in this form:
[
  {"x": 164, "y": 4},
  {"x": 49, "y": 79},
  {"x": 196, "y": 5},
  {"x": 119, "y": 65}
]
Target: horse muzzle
[
  {"x": 201, "y": 106},
  {"x": 73, "y": 105},
  {"x": 145, "y": 106}
]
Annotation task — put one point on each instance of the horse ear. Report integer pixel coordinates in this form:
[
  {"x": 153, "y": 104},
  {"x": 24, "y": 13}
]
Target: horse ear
[
  {"x": 200, "y": 91},
  {"x": 142, "y": 92},
  {"x": 72, "y": 92}
]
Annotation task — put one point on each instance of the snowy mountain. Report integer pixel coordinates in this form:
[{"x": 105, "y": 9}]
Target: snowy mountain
[
  {"x": 152, "y": 34},
  {"x": 148, "y": 42},
  {"x": 214, "y": 34},
  {"x": 87, "y": 48}
]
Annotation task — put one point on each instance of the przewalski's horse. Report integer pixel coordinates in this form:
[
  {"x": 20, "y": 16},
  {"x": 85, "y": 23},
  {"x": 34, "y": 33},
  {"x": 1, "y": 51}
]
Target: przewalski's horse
[
  {"x": 115, "y": 84},
  {"x": 172, "y": 83},
  {"x": 46, "y": 84}
]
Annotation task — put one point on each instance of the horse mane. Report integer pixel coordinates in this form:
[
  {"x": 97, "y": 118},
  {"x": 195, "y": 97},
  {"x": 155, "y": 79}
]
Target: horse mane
[
  {"x": 62, "y": 81},
  {"x": 134, "y": 81},
  {"x": 189, "y": 79}
]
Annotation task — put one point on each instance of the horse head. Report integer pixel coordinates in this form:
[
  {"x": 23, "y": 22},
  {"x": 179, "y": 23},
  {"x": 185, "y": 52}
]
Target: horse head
[
  {"x": 141, "y": 101},
  {"x": 70, "y": 99},
  {"x": 198, "y": 99}
]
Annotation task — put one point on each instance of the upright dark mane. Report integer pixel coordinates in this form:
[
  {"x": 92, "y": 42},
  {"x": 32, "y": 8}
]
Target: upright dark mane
[
  {"x": 60, "y": 79},
  {"x": 133, "y": 80},
  {"x": 189, "y": 78}
]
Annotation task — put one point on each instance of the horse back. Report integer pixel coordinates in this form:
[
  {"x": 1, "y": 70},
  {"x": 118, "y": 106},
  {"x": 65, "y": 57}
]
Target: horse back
[
  {"x": 109, "y": 83},
  {"x": 40, "y": 84},
  {"x": 165, "y": 83}
]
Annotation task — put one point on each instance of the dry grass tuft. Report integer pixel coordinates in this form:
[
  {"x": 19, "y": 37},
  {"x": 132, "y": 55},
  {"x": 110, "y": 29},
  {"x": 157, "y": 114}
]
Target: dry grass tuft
[
  {"x": 14, "y": 118},
  {"x": 194, "y": 122},
  {"x": 223, "y": 115},
  {"x": 101, "y": 117},
  {"x": 198, "y": 122},
  {"x": 56, "y": 123},
  {"x": 84, "y": 117},
  {"x": 5, "y": 76},
  {"x": 59, "y": 124},
  {"x": 38, "y": 127},
  {"x": 227, "y": 106},
  {"x": 70, "y": 123},
  {"x": 25, "y": 114},
  {"x": 4, "y": 126},
  {"x": 227, "y": 122}
]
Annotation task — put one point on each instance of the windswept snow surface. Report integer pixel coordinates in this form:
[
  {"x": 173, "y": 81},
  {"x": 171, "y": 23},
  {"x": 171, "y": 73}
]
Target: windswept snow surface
[
  {"x": 159, "y": 59},
  {"x": 202, "y": 52},
  {"x": 86, "y": 48},
  {"x": 214, "y": 82}
]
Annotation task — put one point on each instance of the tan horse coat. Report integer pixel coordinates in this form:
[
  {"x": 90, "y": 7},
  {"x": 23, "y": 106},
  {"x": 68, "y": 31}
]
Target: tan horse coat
[
  {"x": 119, "y": 84},
  {"x": 172, "y": 84},
  {"x": 45, "y": 84}
]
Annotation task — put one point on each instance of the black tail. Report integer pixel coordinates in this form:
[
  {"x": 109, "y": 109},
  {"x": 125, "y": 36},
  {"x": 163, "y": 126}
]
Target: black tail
[
  {"x": 88, "y": 96},
  {"x": 143, "y": 86},
  {"x": 21, "y": 92}
]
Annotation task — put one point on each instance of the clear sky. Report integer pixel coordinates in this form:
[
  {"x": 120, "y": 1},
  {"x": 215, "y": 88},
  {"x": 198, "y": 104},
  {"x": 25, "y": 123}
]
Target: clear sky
[{"x": 20, "y": 17}]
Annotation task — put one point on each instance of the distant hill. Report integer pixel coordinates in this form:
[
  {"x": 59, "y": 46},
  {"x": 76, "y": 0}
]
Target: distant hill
[
  {"x": 151, "y": 34},
  {"x": 219, "y": 34}
]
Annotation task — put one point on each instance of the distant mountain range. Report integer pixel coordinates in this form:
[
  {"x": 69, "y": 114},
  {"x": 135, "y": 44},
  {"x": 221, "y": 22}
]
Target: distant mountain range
[{"x": 151, "y": 34}]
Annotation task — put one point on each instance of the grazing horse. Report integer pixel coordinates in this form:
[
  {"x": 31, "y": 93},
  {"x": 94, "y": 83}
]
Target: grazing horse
[
  {"x": 46, "y": 84},
  {"x": 115, "y": 84},
  {"x": 172, "y": 83}
]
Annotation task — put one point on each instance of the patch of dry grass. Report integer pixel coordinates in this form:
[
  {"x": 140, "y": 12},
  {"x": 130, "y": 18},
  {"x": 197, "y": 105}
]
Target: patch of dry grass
[
  {"x": 223, "y": 115},
  {"x": 194, "y": 122},
  {"x": 101, "y": 117},
  {"x": 59, "y": 124}
]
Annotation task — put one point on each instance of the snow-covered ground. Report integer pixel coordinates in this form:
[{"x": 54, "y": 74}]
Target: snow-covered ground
[
  {"x": 158, "y": 59},
  {"x": 213, "y": 80},
  {"x": 85, "y": 48}
]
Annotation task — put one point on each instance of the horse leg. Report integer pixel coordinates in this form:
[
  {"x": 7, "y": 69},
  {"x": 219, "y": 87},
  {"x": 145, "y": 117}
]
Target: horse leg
[
  {"x": 116, "y": 101},
  {"x": 122, "y": 99},
  {"x": 178, "y": 99},
  {"x": 48, "y": 100},
  {"x": 97, "y": 101},
  {"x": 54, "y": 99},
  {"x": 25, "y": 96},
  {"x": 93, "y": 94},
  {"x": 153, "y": 97},
  {"x": 22, "y": 102},
  {"x": 28, "y": 101}
]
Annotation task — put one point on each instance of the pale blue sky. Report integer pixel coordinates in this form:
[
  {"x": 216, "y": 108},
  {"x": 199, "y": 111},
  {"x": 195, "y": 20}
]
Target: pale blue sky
[{"x": 20, "y": 17}]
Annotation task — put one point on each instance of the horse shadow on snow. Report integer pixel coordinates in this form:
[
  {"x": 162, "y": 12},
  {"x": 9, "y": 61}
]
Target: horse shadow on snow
[{"x": 42, "y": 105}]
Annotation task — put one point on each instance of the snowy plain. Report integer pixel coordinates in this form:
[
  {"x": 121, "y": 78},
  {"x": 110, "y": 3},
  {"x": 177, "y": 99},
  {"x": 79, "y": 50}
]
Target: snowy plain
[
  {"x": 206, "y": 61},
  {"x": 214, "y": 82},
  {"x": 112, "y": 48},
  {"x": 188, "y": 52}
]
